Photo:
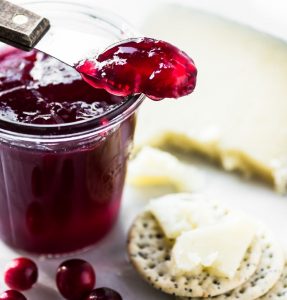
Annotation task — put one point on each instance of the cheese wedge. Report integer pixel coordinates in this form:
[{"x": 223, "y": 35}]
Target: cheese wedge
[
  {"x": 153, "y": 167},
  {"x": 238, "y": 112},
  {"x": 219, "y": 248},
  {"x": 177, "y": 213}
]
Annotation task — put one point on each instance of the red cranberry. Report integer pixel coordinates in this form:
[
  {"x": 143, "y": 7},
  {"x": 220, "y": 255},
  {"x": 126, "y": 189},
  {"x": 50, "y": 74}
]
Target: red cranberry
[
  {"x": 104, "y": 294},
  {"x": 75, "y": 279},
  {"x": 21, "y": 273},
  {"x": 12, "y": 295}
]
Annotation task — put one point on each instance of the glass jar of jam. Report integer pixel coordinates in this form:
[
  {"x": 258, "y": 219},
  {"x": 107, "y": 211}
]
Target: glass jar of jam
[{"x": 63, "y": 144}]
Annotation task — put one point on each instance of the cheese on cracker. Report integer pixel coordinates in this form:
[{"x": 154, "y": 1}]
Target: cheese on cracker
[
  {"x": 220, "y": 247},
  {"x": 177, "y": 213}
]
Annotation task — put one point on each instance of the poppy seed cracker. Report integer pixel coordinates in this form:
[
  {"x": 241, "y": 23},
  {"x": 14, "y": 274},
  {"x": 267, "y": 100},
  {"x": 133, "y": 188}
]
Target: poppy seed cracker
[
  {"x": 150, "y": 251},
  {"x": 279, "y": 291}
]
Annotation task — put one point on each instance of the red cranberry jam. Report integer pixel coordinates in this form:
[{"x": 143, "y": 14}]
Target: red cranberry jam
[
  {"x": 65, "y": 196},
  {"x": 144, "y": 65},
  {"x": 36, "y": 88}
]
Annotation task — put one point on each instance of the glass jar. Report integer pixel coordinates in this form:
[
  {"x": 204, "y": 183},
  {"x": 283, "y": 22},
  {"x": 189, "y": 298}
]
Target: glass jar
[{"x": 61, "y": 185}]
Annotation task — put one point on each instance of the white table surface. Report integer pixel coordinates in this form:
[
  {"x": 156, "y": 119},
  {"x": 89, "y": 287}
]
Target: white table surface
[{"x": 109, "y": 256}]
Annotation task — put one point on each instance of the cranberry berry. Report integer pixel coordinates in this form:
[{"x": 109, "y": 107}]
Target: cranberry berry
[
  {"x": 75, "y": 279},
  {"x": 104, "y": 294},
  {"x": 21, "y": 274},
  {"x": 12, "y": 295}
]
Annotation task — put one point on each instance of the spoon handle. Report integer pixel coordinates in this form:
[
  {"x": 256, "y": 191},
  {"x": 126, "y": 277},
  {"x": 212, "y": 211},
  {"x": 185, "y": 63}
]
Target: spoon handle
[{"x": 20, "y": 27}]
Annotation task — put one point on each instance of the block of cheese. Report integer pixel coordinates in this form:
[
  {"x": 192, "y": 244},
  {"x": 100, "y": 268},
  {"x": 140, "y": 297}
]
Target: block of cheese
[
  {"x": 238, "y": 112},
  {"x": 219, "y": 248}
]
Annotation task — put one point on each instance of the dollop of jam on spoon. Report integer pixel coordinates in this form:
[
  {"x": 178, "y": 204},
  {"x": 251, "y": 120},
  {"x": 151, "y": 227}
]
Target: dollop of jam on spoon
[{"x": 141, "y": 65}]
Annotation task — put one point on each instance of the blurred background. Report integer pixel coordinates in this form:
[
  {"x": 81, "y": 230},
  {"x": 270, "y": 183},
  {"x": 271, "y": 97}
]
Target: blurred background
[
  {"x": 269, "y": 16},
  {"x": 262, "y": 14}
]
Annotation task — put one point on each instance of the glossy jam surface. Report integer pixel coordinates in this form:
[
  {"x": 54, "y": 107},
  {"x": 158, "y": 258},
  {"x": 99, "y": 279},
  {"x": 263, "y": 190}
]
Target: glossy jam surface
[
  {"x": 65, "y": 196},
  {"x": 155, "y": 68},
  {"x": 36, "y": 88}
]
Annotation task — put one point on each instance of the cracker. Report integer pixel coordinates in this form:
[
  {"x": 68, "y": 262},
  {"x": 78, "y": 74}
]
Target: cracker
[
  {"x": 267, "y": 274},
  {"x": 149, "y": 252},
  {"x": 279, "y": 291}
]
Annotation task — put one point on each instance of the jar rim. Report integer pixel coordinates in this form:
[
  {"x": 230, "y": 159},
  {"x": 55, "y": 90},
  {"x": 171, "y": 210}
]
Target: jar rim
[
  {"x": 89, "y": 126},
  {"x": 80, "y": 129}
]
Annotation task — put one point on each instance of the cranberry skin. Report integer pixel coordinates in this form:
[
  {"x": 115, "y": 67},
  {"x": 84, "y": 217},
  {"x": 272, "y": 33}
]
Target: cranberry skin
[
  {"x": 21, "y": 274},
  {"x": 104, "y": 294},
  {"x": 12, "y": 295},
  {"x": 75, "y": 279}
]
